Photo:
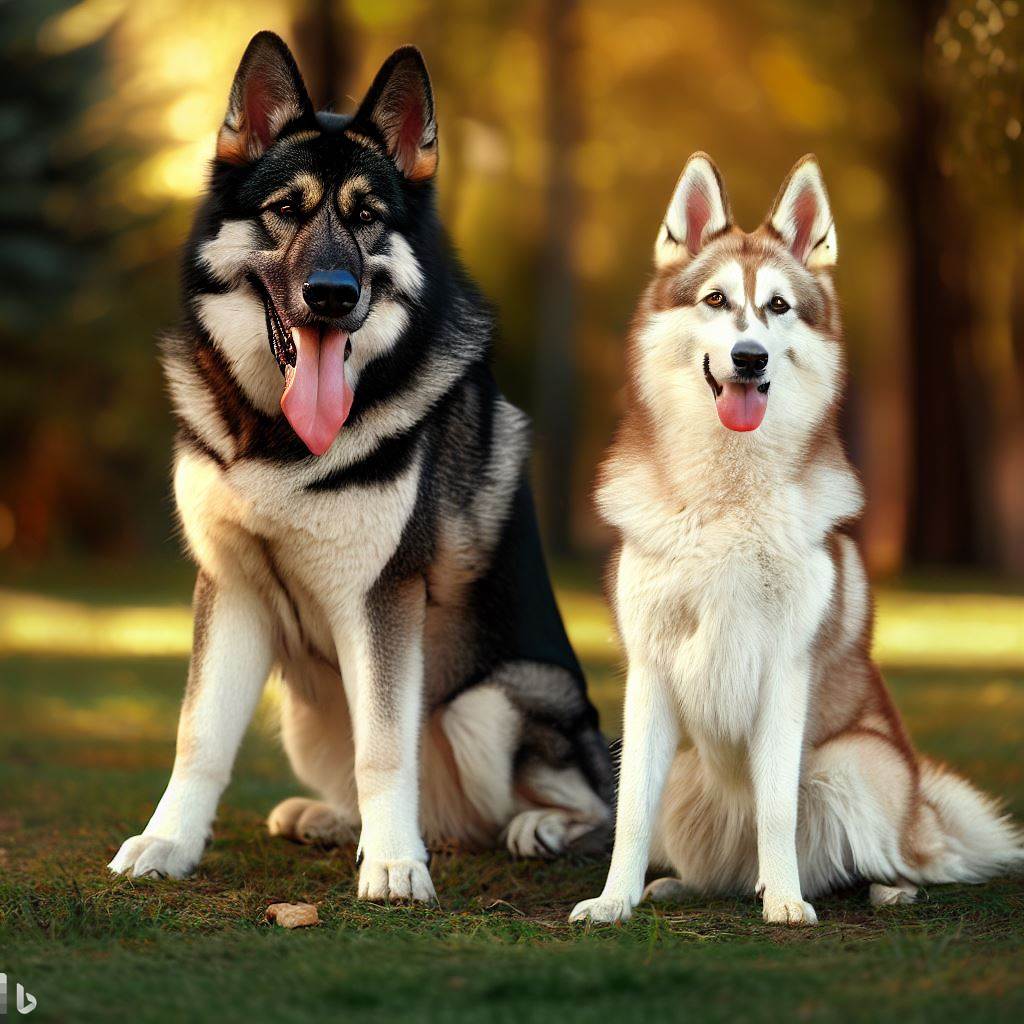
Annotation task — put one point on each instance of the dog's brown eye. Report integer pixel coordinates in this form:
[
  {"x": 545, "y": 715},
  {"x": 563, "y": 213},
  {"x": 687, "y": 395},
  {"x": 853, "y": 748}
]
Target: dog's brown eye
[
  {"x": 778, "y": 304},
  {"x": 366, "y": 215},
  {"x": 714, "y": 300},
  {"x": 285, "y": 209}
]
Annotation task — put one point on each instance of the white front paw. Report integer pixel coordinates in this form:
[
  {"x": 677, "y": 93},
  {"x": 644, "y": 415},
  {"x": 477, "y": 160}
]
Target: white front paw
[
  {"x": 389, "y": 880},
  {"x": 154, "y": 857},
  {"x": 788, "y": 910},
  {"x": 603, "y": 910}
]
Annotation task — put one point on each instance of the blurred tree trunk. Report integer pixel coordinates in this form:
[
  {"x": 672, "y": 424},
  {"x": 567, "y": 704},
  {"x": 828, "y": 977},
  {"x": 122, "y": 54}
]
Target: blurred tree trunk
[
  {"x": 1002, "y": 531},
  {"x": 554, "y": 377},
  {"x": 325, "y": 49},
  {"x": 943, "y": 387}
]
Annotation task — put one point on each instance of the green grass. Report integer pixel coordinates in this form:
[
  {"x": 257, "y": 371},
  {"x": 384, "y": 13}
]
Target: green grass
[{"x": 86, "y": 744}]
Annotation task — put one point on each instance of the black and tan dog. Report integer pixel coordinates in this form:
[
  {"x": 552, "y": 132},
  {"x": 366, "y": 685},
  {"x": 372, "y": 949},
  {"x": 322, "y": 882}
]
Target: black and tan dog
[{"x": 352, "y": 485}]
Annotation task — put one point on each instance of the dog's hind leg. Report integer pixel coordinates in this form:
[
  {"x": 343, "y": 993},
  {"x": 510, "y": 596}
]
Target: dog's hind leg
[
  {"x": 316, "y": 731},
  {"x": 516, "y": 777},
  {"x": 666, "y": 890},
  {"x": 891, "y": 895},
  {"x": 558, "y": 812},
  {"x": 859, "y": 802},
  {"x": 563, "y": 780}
]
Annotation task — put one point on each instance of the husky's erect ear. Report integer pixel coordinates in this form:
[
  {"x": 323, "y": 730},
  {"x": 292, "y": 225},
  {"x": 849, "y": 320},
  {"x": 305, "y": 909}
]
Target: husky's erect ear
[
  {"x": 267, "y": 94},
  {"x": 699, "y": 210},
  {"x": 802, "y": 216},
  {"x": 399, "y": 111}
]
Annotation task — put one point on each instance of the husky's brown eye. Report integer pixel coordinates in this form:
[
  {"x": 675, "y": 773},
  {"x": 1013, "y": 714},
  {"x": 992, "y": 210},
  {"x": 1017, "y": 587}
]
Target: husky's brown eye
[
  {"x": 714, "y": 299},
  {"x": 777, "y": 304},
  {"x": 285, "y": 209},
  {"x": 366, "y": 215}
]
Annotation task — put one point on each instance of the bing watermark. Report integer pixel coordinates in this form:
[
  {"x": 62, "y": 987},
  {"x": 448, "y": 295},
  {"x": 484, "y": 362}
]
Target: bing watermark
[{"x": 23, "y": 1000}]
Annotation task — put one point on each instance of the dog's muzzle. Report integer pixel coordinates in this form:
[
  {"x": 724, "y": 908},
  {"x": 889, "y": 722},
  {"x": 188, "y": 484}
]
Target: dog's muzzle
[{"x": 331, "y": 293}]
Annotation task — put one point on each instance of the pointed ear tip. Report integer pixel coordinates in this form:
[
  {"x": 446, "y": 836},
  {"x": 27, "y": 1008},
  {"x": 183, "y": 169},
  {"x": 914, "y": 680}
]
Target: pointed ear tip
[
  {"x": 266, "y": 39},
  {"x": 408, "y": 52},
  {"x": 810, "y": 163},
  {"x": 700, "y": 157}
]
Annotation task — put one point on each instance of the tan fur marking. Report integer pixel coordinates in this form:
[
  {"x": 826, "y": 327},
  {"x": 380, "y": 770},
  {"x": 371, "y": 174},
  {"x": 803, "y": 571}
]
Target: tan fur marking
[
  {"x": 363, "y": 140},
  {"x": 425, "y": 165}
]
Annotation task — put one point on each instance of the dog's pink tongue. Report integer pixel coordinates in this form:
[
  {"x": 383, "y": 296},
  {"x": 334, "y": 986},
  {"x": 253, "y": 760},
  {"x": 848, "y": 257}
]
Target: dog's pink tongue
[
  {"x": 317, "y": 397},
  {"x": 741, "y": 406}
]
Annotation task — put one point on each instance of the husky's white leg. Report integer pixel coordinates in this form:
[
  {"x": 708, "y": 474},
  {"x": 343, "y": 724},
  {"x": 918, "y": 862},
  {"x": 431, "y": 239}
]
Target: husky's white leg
[
  {"x": 775, "y": 752},
  {"x": 650, "y": 737},
  {"x": 382, "y": 669},
  {"x": 231, "y": 657}
]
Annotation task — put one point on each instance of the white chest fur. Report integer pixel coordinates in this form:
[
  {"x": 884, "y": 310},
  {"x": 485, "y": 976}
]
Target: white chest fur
[
  {"x": 720, "y": 600},
  {"x": 328, "y": 546}
]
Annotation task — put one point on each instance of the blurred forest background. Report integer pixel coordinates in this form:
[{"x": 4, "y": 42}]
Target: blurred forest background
[{"x": 563, "y": 127}]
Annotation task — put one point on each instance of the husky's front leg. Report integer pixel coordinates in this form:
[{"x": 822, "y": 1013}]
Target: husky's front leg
[
  {"x": 383, "y": 674},
  {"x": 231, "y": 658},
  {"x": 776, "y": 750},
  {"x": 650, "y": 736}
]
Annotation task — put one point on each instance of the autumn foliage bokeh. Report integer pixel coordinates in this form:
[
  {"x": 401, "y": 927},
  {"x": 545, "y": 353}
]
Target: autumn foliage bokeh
[{"x": 563, "y": 126}]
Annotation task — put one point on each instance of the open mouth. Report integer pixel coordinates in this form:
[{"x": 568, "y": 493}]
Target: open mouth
[
  {"x": 741, "y": 404},
  {"x": 317, "y": 395}
]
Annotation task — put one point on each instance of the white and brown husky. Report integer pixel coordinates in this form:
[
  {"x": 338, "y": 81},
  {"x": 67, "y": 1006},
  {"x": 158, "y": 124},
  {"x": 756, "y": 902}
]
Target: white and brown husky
[{"x": 741, "y": 599}]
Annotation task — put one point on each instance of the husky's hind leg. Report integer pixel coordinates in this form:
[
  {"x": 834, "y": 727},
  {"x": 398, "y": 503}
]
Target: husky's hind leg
[
  {"x": 558, "y": 812},
  {"x": 892, "y": 895},
  {"x": 563, "y": 774},
  {"x": 317, "y": 734},
  {"x": 515, "y": 778},
  {"x": 858, "y": 802},
  {"x": 666, "y": 890}
]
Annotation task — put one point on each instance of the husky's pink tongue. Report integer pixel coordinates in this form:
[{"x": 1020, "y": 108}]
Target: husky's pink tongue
[
  {"x": 317, "y": 397},
  {"x": 741, "y": 406}
]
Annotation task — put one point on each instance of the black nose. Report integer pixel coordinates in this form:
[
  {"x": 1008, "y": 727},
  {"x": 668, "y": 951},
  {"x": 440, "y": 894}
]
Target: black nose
[
  {"x": 331, "y": 292},
  {"x": 749, "y": 358}
]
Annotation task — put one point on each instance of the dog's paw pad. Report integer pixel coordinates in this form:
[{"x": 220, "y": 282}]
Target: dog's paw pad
[
  {"x": 154, "y": 857},
  {"x": 392, "y": 881},
  {"x": 603, "y": 910}
]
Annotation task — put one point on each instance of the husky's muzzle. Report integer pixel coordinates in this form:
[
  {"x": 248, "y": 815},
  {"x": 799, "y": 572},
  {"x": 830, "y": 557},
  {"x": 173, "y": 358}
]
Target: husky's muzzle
[
  {"x": 331, "y": 293},
  {"x": 741, "y": 401},
  {"x": 318, "y": 396}
]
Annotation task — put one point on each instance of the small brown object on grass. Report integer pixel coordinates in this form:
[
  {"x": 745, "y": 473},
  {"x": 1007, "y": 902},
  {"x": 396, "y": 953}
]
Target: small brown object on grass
[{"x": 293, "y": 915}]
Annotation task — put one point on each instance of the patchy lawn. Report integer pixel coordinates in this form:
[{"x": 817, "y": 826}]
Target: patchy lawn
[{"x": 86, "y": 742}]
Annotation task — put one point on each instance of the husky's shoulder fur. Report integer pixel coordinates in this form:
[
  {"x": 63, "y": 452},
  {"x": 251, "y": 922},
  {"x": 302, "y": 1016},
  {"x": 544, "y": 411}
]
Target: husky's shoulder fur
[
  {"x": 741, "y": 596},
  {"x": 353, "y": 487}
]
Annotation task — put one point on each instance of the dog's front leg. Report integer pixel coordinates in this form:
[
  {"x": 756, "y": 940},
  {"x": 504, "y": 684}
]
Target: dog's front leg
[
  {"x": 383, "y": 671},
  {"x": 650, "y": 737},
  {"x": 231, "y": 658},
  {"x": 776, "y": 750}
]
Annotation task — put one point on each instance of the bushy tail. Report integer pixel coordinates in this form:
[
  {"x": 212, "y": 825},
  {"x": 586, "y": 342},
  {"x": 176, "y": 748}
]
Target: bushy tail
[{"x": 964, "y": 835}]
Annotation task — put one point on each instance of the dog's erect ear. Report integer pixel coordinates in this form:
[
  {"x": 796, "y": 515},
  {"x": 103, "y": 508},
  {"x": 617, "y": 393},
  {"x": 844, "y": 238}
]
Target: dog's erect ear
[
  {"x": 803, "y": 218},
  {"x": 399, "y": 110},
  {"x": 267, "y": 94},
  {"x": 699, "y": 210}
]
